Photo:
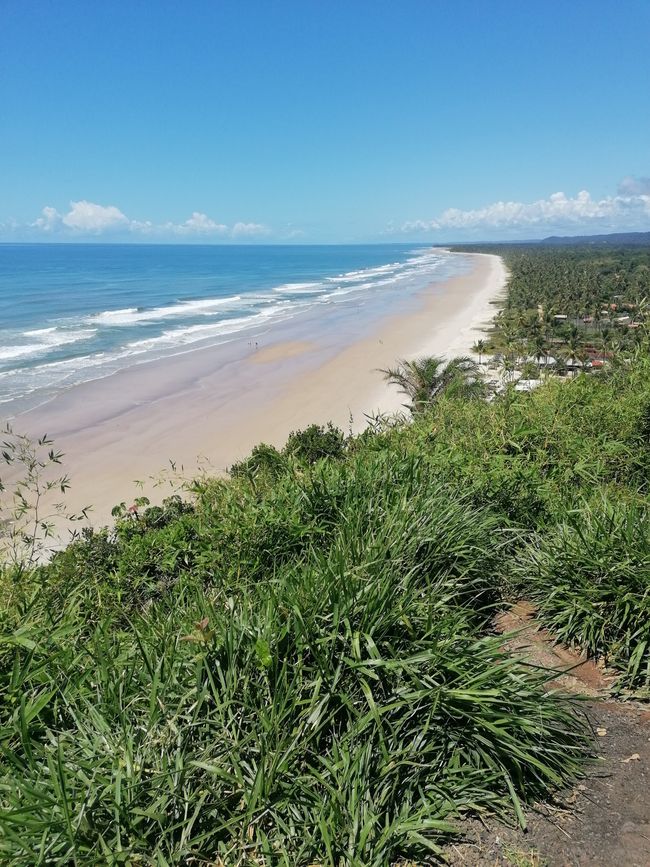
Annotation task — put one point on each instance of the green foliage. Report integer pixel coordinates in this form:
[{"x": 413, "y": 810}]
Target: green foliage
[
  {"x": 588, "y": 303},
  {"x": 533, "y": 456},
  {"x": 425, "y": 379},
  {"x": 311, "y": 681},
  {"x": 264, "y": 459},
  {"x": 590, "y": 577},
  {"x": 316, "y": 443}
]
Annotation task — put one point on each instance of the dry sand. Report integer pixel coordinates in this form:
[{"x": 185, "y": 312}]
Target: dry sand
[
  {"x": 280, "y": 351},
  {"x": 211, "y": 406}
]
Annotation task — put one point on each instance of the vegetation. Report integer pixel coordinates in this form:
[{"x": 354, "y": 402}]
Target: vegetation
[
  {"x": 31, "y": 474},
  {"x": 570, "y": 308},
  {"x": 285, "y": 673},
  {"x": 297, "y": 665},
  {"x": 425, "y": 379},
  {"x": 590, "y": 577}
]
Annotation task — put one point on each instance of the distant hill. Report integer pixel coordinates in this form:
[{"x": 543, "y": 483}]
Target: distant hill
[{"x": 618, "y": 238}]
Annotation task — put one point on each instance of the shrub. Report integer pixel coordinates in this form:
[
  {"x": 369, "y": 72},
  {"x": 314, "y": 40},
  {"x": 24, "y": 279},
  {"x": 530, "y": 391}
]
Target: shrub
[
  {"x": 263, "y": 459},
  {"x": 345, "y": 710},
  {"x": 591, "y": 580},
  {"x": 316, "y": 442}
]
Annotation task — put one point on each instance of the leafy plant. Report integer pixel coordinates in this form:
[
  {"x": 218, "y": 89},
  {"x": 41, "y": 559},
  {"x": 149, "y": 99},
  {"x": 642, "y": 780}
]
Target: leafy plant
[
  {"x": 424, "y": 379},
  {"x": 29, "y": 514},
  {"x": 264, "y": 459},
  {"x": 315, "y": 443},
  {"x": 591, "y": 580},
  {"x": 314, "y": 683}
]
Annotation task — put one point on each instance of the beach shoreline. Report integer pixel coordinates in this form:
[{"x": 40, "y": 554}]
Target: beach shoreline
[{"x": 206, "y": 409}]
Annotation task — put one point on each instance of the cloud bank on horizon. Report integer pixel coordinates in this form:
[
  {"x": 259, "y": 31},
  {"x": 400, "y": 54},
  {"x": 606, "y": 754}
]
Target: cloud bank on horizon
[
  {"x": 627, "y": 210},
  {"x": 91, "y": 219}
]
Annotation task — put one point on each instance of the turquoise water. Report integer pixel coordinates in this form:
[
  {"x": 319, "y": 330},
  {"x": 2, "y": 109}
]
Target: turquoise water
[{"x": 75, "y": 312}]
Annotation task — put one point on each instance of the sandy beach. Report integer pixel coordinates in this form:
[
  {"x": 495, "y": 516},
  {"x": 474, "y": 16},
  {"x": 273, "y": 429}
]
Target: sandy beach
[{"x": 209, "y": 407}]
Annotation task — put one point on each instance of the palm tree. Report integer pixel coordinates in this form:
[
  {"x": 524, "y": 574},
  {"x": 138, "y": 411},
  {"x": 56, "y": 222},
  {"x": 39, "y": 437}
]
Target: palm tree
[
  {"x": 424, "y": 379},
  {"x": 479, "y": 348},
  {"x": 574, "y": 343},
  {"x": 606, "y": 337},
  {"x": 541, "y": 348}
]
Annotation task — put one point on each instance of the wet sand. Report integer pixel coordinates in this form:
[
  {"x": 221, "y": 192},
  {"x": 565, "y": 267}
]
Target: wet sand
[{"x": 208, "y": 408}]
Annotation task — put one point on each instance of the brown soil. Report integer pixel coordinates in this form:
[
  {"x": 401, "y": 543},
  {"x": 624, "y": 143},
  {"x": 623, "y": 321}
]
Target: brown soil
[{"x": 605, "y": 820}]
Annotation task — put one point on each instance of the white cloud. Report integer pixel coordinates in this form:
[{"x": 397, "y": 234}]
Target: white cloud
[
  {"x": 145, "y": 227},
  {"x": 49, "y": 221},
  {"x": 558, "y": 211},
  {"x": 248, "y": 229},
  {"x": 88, "y": 217},
  {"x": 199, "y": 224}
]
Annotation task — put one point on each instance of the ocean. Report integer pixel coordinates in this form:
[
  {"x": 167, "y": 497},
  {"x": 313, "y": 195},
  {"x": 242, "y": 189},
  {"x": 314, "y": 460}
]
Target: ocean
[{"x": 70, "y": 313}]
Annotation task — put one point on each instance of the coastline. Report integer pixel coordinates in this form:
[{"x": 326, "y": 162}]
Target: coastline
[{"x": 208, "y": 408}]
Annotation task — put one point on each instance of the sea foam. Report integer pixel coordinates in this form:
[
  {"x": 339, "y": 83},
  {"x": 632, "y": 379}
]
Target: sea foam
[{"x": 113, "y": 312}]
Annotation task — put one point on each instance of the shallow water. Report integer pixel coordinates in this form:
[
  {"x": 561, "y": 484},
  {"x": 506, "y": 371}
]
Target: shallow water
[{"x": 70, "y": 313}]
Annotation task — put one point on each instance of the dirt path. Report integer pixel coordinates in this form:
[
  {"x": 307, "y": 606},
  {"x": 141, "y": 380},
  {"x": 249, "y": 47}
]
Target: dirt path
[{"x": 605, "y": 820}]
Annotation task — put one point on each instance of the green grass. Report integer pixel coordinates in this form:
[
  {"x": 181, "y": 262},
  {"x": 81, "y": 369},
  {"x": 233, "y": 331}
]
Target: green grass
[
  {"x": 342, "y": 704},
  {"x": 590, "y": 578}
]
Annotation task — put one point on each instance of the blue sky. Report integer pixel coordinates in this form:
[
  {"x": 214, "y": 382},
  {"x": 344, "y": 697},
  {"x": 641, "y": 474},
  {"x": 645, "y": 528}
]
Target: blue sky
[{"x": 322, "y": 120}]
